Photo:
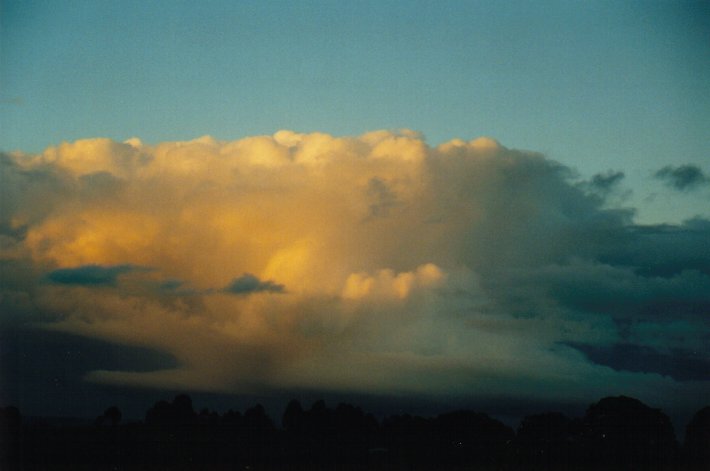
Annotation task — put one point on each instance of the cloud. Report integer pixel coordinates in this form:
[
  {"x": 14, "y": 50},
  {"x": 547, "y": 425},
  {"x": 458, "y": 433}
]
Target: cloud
[
  {"x": 248, "y": 283},
  {"x": 683, "y": 177},
  {"x": 383, "y": 198},
  {"x": 390, "y": 285},
  {"x": 89, "y": 275},
  {"x": 607, "y": 187},
  {"x": 466, "y": 269},
  {"x": 680, "y": 364},
  {"x": 606, "y": 181}
]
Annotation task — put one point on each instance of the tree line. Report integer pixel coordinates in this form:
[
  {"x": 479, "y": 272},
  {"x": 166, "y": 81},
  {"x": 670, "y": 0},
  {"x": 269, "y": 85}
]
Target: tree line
[{"x": 615, "y": 433}]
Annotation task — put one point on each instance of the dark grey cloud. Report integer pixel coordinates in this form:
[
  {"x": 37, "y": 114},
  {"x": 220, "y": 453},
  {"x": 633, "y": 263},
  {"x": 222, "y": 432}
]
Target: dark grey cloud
[
  {"x": 662, "y": 250},
  {"x": 606, "y": 181},
  {"x": 683, "y": 177},
  {"x": 248, "y": 283},
  {"x": 607, "y": 188},
  {"x": 91, "y": 275},
  {"x": 623, "y": 283},
  {"x": 43, "y": 372},
  {"x": 679, "y": 364},
  {"x": 625, "y": 294}
]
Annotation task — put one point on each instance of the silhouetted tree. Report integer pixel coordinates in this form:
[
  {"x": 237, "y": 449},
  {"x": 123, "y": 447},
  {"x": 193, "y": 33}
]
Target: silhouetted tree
[
  {"x": 255, "y": 418},
  {"x": 408, "y": 438},
  {"x": 10, "y": 418},
  {"x": 113, "y": 415},
  {"x": 182, "y": 406},
  {"x": 616, "y": 433},
  {"x": 623, "y": 432},
  {"x": 292, "y": 418},
  {"x": 697, "y": 440},
  {"x": 471, "y": 437},
  {"x": 160, "y": 414},
  {"x": 207, "y": 417},
  {"x": 354, "y": 432},
  {"x": 547, "y": 441},
  {"x": 258, "y": 436},
  {"x": 179, "y": 412},
  {"x": 10, "y": 427},
  {"x": 318, "y": 419},
  {"x": 351, "y": 420},
  {"x": 232, "y": 418}
]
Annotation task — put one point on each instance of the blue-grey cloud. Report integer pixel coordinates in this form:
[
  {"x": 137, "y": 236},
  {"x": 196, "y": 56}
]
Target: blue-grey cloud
[
  {"x": 248, "y": 283},
  {"x": 91, "y": 275},
  {"x": 680, "y": 364},
  {"x": 607, "y": 180},
  {"x": 606, "y": 187},
  {"x": 661, "y": 250},
  {"x": 683, "y": 177}
]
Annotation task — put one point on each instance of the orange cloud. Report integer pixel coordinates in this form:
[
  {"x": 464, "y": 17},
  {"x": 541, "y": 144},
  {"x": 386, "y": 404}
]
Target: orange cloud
[{"x": 372, "y": 263}]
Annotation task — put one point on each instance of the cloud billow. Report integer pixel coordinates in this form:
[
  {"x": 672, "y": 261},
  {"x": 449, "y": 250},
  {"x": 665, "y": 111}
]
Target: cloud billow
[{"x": 382, "y": 265}]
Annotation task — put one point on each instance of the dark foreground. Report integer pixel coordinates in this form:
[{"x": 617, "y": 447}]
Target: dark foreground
[{"x": 616, "y": 433}]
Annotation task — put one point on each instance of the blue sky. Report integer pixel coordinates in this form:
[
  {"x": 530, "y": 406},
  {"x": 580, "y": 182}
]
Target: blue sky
[{"x": 596, "y": 85}]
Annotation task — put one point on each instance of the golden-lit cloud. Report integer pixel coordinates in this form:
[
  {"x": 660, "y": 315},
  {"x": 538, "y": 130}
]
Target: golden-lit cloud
[{"x": 374, "y": 263}]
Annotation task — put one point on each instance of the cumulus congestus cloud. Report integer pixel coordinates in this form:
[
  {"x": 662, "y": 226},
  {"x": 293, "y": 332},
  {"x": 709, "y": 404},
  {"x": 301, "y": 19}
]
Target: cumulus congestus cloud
[{"x": 374, "y": 263}]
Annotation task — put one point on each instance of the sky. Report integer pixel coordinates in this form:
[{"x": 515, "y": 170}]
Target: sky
[
  {"x": 595, "y": 85},
  {"x": 415, "y": 201}
]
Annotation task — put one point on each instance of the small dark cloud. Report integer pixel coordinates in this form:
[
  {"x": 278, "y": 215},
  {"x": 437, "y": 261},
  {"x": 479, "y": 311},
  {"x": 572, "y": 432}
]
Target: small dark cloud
[
  {"x": 248, "y": 283},
  {"x": 92, "y": 275},
  {"x": 606, "y": 184},
  {"x": 607, "y": 180},
  {"x": 679, "y": 364},
  {"x": 683, "y": 177}
]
